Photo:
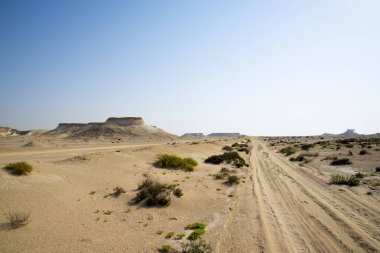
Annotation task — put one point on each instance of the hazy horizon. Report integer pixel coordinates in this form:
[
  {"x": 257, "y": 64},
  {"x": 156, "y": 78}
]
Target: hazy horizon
[{"x": 254, "y": 67}]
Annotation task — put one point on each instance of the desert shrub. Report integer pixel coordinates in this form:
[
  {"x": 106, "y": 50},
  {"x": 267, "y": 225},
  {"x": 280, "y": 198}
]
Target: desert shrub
[
  {"x": 197, "y": 246},
  {"x": 155, "y": 193},
  {"x": 363, "y": 152},
  {"x": 288, "y": 151},
  {"x": 165, "y": 248},
  {"x": 343, "y": 161},
  {"x": 178, "y": 192},
  {"x": 307, "y": 146},
  {"x": 223, "y": 173},
  {"x": 117, "y": 191},
  {"x": 233, "y": 179},
  {"x": 175, "y": 162},
  {"x": 299, "y": 158},
  {"x": 196, "y": 225},
  {"x": 196, "y": 234},
  {"x": 179, "y": 236},
  {"x": 19, "y": 168},
  {"x": 360, "y": 175},
  {"x": 377, "y": 169},
  {"x": 227, "y": 148},
  {"x": 169, "y": 235},
  {"x": 228, "y": 157},
  {"x": 18, "y": 219},
  {"x": 350, "y": 145},
  {"x": 344, "y": 180}
]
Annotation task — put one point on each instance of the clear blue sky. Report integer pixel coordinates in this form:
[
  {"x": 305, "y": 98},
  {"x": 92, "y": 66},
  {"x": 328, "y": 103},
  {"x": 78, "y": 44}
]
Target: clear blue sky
[{"x": 256, "y": 67}]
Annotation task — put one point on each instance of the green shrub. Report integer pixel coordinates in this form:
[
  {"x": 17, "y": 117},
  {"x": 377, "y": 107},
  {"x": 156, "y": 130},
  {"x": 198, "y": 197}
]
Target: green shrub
[
  {"x": 196, "y": 234},
  {"x": 197, "y": 246},
  {"x": 178, "y": 192},
  {"x": 233, "y": 179},
  {"x": 19, "y": 168},
  {"x": 154, "y": 193},
  {"x": 165, "y": 248},
  {"x": 350, "y": 145},
  {"x": 228, "y": 157},
  {"x": 175, "y": 162},
  {"x": 288, "y": 151},
  {"x": 179, "y": 236},
  {"x": 169, "y": 235},
  {"x": 344, "y": 180},
  {"x": 196, "y": 225},
  {"x": 343, "y": 161}
]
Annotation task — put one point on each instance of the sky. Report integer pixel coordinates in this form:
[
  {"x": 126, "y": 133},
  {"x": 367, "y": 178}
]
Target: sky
[{"x": 285, "y": 67}]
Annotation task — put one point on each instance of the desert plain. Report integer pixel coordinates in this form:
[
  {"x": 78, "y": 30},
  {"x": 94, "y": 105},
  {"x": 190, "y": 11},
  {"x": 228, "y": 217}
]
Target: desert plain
[{"x": 283, "y": 202}]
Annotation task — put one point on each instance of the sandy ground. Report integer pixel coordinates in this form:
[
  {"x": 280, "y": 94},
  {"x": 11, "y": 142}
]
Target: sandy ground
[{"x": 279, "y": 206}]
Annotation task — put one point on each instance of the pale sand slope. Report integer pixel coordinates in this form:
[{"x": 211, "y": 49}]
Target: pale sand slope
[{"x": 281, "y": 207}]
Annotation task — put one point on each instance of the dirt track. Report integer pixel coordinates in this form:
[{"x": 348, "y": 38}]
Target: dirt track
[{"x": 292, "y": 210}]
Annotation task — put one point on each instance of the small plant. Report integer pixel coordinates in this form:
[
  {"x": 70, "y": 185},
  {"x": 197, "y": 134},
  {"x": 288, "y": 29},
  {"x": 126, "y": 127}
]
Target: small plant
[
  {"x": 20, "y": 168},
  {"x": 155, "y": 193},
  {"x": 228, "y": 157},
  {"x": 299, "y": 158},
  {"x": 360, "y": 175},
  {"x": 169, "y": 235},
  {"x": 159, "y": 232},
  {"x": 196, "y": 225},
  {"x": 18, "y": 219},
  {"x": 175, "y": 162},
  {"x": 350, "y": 145},
  {"x": 118, "y": 190},
  {"x": 227, "y": 148},
  {"x": 288, "y": 151},
  {"x": 343, "y": 161},
  {"x": 363, "y": 152},
  {"x": 165, "y": 248},
  {"x": 178, "y": 192},
  {"x": 197, "y": 246},
  {"x": 180, "y": 236},
  {"x": 377, "y": 169},
  {"x": 107, "y": 212},
  {"x": 307, "y": 146},
  {"x": 344, "y": 180},
  {"x": 92, "y": 192},
  {"x": 196, "y": 234},
  {"x": 233, "y": 179}
]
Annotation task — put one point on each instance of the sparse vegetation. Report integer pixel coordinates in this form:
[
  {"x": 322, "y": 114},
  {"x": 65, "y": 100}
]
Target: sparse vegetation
[
  {"x": 155, "y": 193},
  {"x": 117, "y": 191},
  {"x": 18, "y": 219},
  {"x": 222, "y": 174},
  {"x": 307, "y": 146},
  {"x": 343, "y": 161},
  {"x": 175, "y": 162},
  {"x": 363, "y": 152},
  {"x": 165, "y": 248},
  {"x": 198, "y": 230},
  {"x": 196, "y": 225},
  {"x": 178, "y": 192},
  {"x": 227, "y": 148},
  {"x": 179, "y": 236},
  {"x": 169, "y": 235},
  {"x": 228, "y": 157},
  {"x": 19, "y": 168},
  {"x": 197, "y": 246},
  {"x": 233, "y": 179},
  {"x": 288, "y": 151},
  {"x": 344, "y": 180}
]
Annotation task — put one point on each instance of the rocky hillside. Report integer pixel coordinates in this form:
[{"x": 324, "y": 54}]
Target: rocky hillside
[{"x": 112, "y": 128}]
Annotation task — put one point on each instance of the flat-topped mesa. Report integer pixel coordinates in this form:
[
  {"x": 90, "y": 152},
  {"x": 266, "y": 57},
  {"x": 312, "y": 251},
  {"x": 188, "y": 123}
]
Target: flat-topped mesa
[
  {"x": 224, "y": 135},
  {"x": 125, "y": 121},
  {"x": 195, "y": 135}
]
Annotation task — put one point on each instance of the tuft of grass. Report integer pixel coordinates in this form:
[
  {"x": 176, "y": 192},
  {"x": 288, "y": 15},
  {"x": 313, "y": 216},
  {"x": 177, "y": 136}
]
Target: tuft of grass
[
  {"x": 159, "y": 232},
  {"x": 169, "y": 235},
  {"x": 343, "y": 161},
  {"x": 233, "y": 179},
  {"x": 179, "y": 236},
  {"x": 344, "y": 180},
  {"x": 197, "y": 246},
  {"x": 288, "y": 151},
  {"x": 107, "y": 212},
  {"x": 19, "y": 168},
  {"x": 165, "y": 248},
  {"x": 18, "y": 219},
  {"x": 175, "y": 162},
  {"x": 360, "y": 175}
]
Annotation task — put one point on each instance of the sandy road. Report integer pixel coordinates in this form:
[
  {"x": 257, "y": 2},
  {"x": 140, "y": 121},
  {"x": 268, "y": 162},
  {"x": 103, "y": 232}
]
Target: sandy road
[{"x": 301, "y": 213}]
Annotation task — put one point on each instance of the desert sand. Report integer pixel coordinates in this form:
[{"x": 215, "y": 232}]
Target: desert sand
[{"x": 278, "y": 206}]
